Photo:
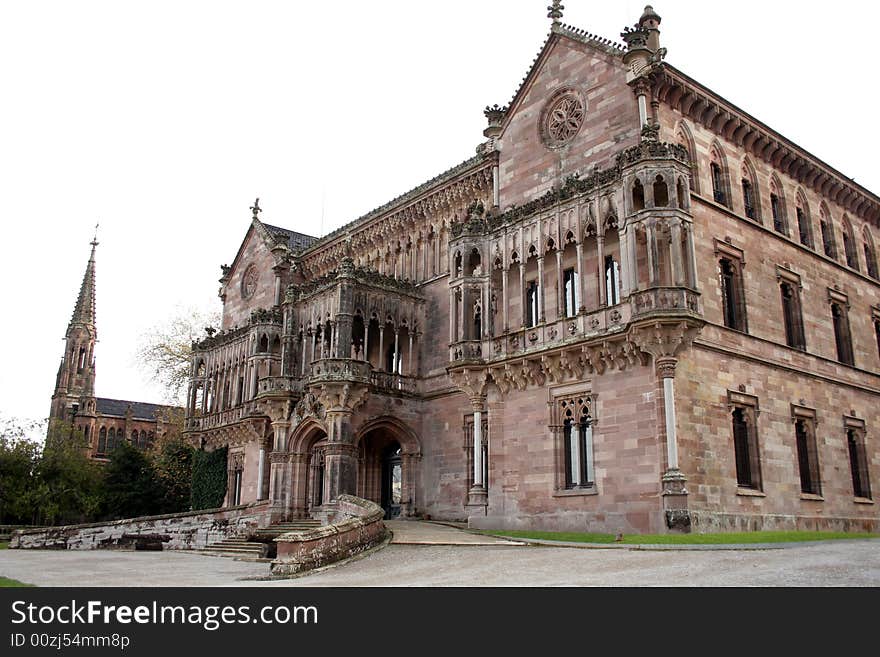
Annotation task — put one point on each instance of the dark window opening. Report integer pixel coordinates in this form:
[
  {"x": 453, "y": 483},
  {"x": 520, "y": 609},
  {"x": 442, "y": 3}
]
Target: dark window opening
[
  {"x": 748, "y": 199},
  {"x": 718, "y": 184},
  {"x": 745, "y": 451},
  {"x": 776, "y": 209},
  {"x": 842, "y": 337},
  {"x": 638, "y": 196},
  {"x": 870, "y": 260},
  {"x": 733, "y": 302},
  {"x": 858, "y": 464},
  {"x": 661, "y": 193},
  {"x": 808, "y": 462},
  {"x": 852, "y": 259},
  {"x": 828, "y": 239},
  {"x": 804, "y": 228},
  {"x": 792, "y": 317}
]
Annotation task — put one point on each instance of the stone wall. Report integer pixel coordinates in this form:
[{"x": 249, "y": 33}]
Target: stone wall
[
  {"x": 357, "y": 528},
  {"x": 179, "y": 531}
]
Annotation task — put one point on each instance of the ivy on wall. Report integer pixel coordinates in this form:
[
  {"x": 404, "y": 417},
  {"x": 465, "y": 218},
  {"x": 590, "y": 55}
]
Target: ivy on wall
[{"x": 209, "y": 479}]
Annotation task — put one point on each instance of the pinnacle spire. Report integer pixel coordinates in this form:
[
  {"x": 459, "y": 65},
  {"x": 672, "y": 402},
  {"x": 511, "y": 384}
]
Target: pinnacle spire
[
  {"x": 84, "y": 312},
  {"x": 555, "y": 12}
]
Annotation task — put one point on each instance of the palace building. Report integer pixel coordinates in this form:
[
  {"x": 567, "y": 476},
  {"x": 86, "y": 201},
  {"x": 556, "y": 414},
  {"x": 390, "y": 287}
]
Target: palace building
[
  {"x": 103, "y": 423},
  {"x": 636, "y": 309}
]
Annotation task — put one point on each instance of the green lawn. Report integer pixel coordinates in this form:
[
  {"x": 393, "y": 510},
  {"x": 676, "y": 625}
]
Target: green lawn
[
  {"x": 6, "y": 583},
  {"x": 3, "y": 545},
  {"x": 684, "y": 539}
]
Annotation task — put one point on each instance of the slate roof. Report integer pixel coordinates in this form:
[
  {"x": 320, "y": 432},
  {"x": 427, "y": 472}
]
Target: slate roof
[
  {"x": 119, "y": 407},
  {"x": 295, "y": 241}
]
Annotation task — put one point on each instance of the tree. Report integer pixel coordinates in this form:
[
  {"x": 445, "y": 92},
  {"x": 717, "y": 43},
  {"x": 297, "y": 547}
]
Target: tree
[
  {"x": 49, "y": 484},
  {"x": 19, "y": 456},
  {"x": 172, "y": 460},
  {"x": 131, "y": 488},
  {"x": 69, "y": 486},
  {"x": 165, "y": 350}
]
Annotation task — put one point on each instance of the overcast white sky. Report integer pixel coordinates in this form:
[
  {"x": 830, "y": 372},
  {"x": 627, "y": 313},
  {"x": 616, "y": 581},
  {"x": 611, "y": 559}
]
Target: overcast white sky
[{"x": 163, "y": 120}]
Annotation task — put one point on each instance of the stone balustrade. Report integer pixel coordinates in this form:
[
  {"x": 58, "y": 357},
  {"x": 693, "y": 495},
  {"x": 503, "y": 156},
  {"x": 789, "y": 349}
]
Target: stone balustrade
[
  {"x": 665, "y": 300},
  {"x": 357, "y": 526},
  {"x": 192, "y": 530}
]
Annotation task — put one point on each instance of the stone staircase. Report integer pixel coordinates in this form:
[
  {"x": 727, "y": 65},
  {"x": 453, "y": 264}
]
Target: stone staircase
[
  {"x": 238, "y": 547},
  {"x": 261, "y": 543}
]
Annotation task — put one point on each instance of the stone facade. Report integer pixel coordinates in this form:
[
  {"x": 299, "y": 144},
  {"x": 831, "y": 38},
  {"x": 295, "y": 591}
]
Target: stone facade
[
  {"x": 636, "y": 309},
  {"x": 103, "y": 423}
]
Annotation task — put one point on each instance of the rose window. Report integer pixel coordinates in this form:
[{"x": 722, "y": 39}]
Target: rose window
[{"x": 563, "y": 120}]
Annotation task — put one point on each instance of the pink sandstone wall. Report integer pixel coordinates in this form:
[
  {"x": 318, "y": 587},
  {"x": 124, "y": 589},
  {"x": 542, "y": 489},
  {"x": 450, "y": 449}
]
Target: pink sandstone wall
[{"x": 527, "y": 167}]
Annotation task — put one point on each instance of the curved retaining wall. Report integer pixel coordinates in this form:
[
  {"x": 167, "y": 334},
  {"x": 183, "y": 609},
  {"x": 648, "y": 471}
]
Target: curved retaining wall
[
  {"x": 193, "y": 530},
  {"x": 357, "y": 527}
]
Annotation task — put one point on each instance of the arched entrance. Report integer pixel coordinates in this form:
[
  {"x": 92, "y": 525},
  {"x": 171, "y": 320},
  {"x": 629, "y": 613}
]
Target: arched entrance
[
  {"x": 388, "y": 456},
  {"x": 392, "y": 480},
  {"x": 306, "y": 481}
]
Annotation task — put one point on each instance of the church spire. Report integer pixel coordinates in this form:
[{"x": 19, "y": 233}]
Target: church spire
[{"x": 84, "y": 312}]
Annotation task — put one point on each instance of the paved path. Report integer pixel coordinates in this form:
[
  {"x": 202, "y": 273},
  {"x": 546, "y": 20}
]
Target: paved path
[
  {"x": 408, "y": 532},
  {"x": 833, "y": 563}
]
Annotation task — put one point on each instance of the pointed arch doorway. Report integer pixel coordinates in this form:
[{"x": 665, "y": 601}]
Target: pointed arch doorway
[{"x": 388, "y": 457}]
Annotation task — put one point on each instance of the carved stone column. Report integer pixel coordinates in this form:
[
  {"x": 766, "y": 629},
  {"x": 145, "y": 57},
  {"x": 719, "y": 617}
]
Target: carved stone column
[
  {"x": 541, "y": 289},
  {"x": 280, "y": 478},
  {"x": 580, "y": 284},
  {"x": 679, "y": 267},
  {"x": 504, "y": 299},
  {"x": 340, "y": 398},
  {"x": 600, "y": 251},
  {"x": 473, "y": 383},
  {"x": 664, "y": 341},
  {"x": 560, "y": 276}
]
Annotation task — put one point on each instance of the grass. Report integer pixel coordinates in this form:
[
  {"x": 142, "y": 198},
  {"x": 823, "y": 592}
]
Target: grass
[
  {"x": 684, "y": 539},
  {"x": 6, "y": 583},
  {"x": 3, "y": 545}
]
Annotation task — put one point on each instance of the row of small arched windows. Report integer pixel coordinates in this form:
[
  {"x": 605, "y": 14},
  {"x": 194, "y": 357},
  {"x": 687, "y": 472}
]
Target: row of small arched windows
[
  {"x": 108, "y": 440},
  {"x": 750, "y": 190}
]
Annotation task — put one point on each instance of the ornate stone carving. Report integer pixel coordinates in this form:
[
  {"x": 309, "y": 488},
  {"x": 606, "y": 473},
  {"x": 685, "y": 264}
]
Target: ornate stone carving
[
  {"x": 562, "y": 118},
  {"x": 249, "y": 281}
]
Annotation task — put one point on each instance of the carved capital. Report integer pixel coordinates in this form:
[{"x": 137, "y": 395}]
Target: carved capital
[
  {"x": 472, "y": 382},
  {"x": 341, "y": 397},
  {"x": 666, "y": 367},
  {"x": 664, "y": 340}
]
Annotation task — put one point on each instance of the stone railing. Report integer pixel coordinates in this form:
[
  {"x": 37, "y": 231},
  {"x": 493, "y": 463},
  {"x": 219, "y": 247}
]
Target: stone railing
[
  {"x": 275, "y": 385},
  {"x": 357, "y": 526},
  {"x": 192, "y": 530},
  {"x": 388, "y": 382},
  {"x": 339, "y": 369},
  {"x": 665, "y": 300},
  {"x": 221, "y": 418},
  {"x": 466, "y": 350},
  {"x": 553, "y": 333}
]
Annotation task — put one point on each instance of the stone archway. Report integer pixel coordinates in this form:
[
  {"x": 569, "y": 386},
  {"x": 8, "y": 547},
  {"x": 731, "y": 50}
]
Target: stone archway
[
  {"x": 303, "y": 471},
  {"x": 388, "y": 462}
]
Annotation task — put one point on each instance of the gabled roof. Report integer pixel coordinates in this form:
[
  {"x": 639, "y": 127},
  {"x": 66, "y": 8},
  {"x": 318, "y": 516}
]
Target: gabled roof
[
  {"x": 119, "y": 407},
  {"x": 575, "y": 34},
  {"x": 295, "y": 241}
]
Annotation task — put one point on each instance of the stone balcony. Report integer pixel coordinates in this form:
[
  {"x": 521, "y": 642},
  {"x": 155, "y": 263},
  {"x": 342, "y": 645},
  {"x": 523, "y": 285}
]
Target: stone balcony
[
  {"x": 339, "y": 369},
  {"x": 278, "y": 386},
  {"x": 393, "y": 383},
  {"x": 222, "y": 418},
  {"x": 659, "y": 302}
]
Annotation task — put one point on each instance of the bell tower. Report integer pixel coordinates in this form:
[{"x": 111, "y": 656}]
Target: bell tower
[{"x": 74, "y": 396}]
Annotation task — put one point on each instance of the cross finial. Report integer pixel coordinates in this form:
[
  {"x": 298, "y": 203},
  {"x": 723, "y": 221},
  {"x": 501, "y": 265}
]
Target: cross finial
[
  {"x": 555, "y": 11},
  {"x": 94, "y": 241},
  {"x": 255, "y": 208}
]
